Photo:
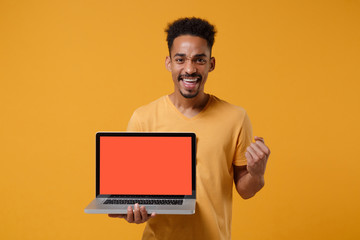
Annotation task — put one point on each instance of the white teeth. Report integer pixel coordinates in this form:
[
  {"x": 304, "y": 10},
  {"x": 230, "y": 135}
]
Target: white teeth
[{"x": 190, "y": 80}]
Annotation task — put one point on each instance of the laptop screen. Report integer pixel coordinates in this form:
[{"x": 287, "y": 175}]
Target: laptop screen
[{"x": 145, "y": 165}]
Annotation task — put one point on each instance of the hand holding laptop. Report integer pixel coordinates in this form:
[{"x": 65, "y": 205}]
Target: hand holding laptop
[{"x": 139, "y": 215}]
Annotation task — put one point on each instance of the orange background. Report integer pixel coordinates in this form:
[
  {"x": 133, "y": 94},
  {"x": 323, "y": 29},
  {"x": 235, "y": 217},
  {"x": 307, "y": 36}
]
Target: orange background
[
  {"x": 162, "y": 165},
  {"x": 71, "y": 68}
]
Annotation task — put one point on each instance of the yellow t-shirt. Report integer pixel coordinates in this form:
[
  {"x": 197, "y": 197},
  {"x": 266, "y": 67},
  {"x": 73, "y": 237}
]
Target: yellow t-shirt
[{"x": 223, "y": 133}]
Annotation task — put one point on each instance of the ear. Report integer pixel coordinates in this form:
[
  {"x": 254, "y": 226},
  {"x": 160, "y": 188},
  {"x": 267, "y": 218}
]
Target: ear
[
  {"x": 212, "y": 64},
  {"x": 168, "y": 63}
]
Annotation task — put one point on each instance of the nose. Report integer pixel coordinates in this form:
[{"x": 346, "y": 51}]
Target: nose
[{"x": 190, "y": 67}]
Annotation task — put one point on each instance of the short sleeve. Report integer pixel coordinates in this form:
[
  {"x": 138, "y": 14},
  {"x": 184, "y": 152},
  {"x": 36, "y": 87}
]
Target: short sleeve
[
  {"x": 244, "y": 140},
  {"x": 134, "y": 124}
]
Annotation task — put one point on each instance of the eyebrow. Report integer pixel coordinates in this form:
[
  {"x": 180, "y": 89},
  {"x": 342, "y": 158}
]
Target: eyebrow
[
  {"x": 200, "y": 55},
  {"x": 179, "y": 55},
  {"x": 184, "y": 55}
]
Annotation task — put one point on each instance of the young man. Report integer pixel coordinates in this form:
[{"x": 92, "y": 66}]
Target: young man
[{"x": 225, "y": 151}]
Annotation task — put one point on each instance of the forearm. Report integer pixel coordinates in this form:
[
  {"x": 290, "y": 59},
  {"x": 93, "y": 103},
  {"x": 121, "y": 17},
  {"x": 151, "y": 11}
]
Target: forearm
[{"x": 247, "y": 186}]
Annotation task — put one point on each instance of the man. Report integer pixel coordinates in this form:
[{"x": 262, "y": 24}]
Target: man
[{"x": 225, "y": 152}]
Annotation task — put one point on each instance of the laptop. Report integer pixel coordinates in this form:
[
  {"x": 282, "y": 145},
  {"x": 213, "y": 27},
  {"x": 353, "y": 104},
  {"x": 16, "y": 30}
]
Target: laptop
[{"x": 156, "y": 170}]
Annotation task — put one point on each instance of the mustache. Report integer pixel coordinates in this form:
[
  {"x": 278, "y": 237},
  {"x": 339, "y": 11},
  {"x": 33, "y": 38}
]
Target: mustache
[{"x": 189, "y": 76}]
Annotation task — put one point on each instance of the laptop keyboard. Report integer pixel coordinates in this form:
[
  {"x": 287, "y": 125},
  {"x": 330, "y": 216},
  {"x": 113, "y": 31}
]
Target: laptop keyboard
[{"x": 144, "y": 201}]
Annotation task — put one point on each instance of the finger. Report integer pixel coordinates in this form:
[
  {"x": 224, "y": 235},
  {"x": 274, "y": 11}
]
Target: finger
[
  {"x": 249, "y": 158},
  {"x": 137, "y": 215},
  {"x": 144, "y": 214},
  {"x": 253, "y": 153},
  {"x": 259, "y": 139},
  {"x": 261, "y": 144},
  {"x": 153, "y": 215},
  {"x": 258, "y": 150},
  {"x": 130, "y": 215},
  {"x": 263, "y": 147}
]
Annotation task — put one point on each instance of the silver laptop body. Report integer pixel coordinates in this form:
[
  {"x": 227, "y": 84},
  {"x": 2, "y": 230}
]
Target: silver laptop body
[{"x": 165, "y": 160}]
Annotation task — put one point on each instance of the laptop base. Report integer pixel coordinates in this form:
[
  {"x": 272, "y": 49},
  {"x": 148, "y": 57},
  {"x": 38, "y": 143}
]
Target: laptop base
[{"x": 97, "y": 207}]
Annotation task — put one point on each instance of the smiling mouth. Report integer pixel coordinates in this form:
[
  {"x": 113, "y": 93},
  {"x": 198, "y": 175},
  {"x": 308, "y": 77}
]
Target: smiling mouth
[
  {"x": 190, "y": 84},
  {"x": 190, "y": 79}
]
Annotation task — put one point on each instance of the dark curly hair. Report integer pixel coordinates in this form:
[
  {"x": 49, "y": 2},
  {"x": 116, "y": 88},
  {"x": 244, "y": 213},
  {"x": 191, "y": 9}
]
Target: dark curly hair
[{"x": 190, "y": 26}]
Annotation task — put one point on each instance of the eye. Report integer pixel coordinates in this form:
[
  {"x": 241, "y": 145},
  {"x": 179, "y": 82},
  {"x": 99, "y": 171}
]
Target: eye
[
  {"x": 200, "y": 61},
  {"x": 179, "y": 60}
]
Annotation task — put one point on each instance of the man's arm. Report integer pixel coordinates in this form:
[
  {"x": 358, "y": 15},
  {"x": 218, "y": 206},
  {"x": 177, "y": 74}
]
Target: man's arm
[{"x": 250, "y": 179}]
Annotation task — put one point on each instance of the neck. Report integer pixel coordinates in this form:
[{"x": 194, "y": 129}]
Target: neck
[{"x": 189, "y": 106}]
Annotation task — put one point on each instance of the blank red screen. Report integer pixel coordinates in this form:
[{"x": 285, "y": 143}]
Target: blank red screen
[{"x": 145, "y": 165}]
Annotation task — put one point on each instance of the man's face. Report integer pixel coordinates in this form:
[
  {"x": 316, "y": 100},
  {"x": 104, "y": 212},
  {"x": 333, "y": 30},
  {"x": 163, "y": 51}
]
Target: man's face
[{"x": 189, "y": 63}]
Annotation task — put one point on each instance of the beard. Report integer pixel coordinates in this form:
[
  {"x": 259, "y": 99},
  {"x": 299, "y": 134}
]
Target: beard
[{"x": 189, "y": 95}]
